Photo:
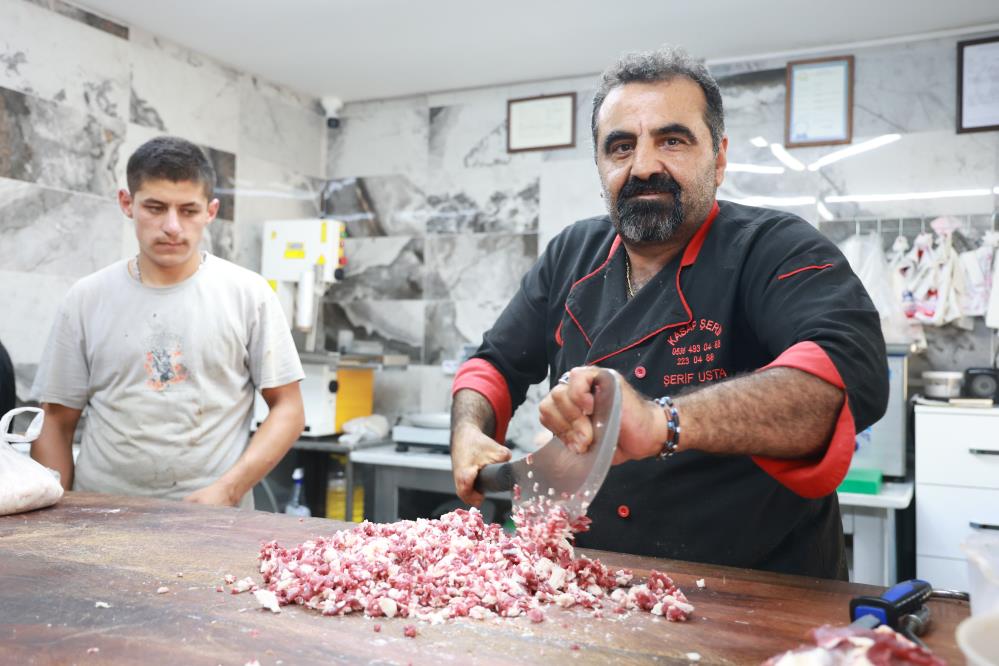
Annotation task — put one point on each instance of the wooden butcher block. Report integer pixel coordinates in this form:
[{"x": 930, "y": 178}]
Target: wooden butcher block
[{"x": 59, "y": 565}]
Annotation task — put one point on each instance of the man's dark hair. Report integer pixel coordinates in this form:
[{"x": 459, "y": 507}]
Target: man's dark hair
[
  {"x": 663, "y": 65},
  {"x": 170, "y": 158}
]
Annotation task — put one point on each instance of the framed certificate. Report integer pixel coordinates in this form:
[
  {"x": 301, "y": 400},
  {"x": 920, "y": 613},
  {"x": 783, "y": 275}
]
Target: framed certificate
[
  {"x": 818, "y": 108},
  {"x": 978, "y": 85},
  {"x": 541, "y": 123}
]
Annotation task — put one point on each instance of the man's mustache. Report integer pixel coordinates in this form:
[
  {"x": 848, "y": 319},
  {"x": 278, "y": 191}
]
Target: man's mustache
[{"x": 658, "y": 183}]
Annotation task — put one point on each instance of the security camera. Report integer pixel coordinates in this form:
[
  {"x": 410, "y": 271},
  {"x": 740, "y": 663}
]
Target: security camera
[{"x": 331, "y": 106}]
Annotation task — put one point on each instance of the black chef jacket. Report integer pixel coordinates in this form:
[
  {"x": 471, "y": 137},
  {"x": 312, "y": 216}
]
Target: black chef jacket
[{"x": 752, "y": 288}]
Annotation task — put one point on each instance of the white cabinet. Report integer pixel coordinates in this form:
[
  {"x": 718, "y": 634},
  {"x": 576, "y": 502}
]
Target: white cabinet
[{"x": 957, "y": 487}]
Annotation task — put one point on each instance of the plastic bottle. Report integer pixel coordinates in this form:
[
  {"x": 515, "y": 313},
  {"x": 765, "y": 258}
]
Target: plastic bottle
[
  {"x": 294, "y": 506},
  {"x": 336, "y": 495}
]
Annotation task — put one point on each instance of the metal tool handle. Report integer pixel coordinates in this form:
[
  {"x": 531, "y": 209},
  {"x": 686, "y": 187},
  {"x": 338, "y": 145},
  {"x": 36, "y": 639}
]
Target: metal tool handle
[
  {"x": 982, "y": 526},
  {"x": 984, "y": 452},
  {"x": 495, "y": 478}
]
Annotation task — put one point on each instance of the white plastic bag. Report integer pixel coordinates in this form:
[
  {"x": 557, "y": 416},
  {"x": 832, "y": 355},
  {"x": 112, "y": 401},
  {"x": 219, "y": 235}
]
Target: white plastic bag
[
  {"x": 867, "y": 259},
  {"x": 24, "y": 484},
  {"x": 364, "y": 429}
]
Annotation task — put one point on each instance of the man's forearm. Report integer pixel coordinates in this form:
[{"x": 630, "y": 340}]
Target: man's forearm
[
  {"x": 779, "y": 412},
  {"x": 470, "y": 407},
  {"x": 267, "y": 447},
  {"x": 54, "y": 448}
]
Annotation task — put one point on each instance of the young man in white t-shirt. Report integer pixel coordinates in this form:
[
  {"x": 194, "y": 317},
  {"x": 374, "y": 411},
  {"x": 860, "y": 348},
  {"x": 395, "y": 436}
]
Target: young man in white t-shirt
[{"x": 165, "y": 351}]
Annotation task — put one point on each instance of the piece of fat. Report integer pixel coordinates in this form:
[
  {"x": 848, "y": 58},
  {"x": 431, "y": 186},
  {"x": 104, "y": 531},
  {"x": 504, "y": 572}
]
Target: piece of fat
[{"x": 268, "y": 600}]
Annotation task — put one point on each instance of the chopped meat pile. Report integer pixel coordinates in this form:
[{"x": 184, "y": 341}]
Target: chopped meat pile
[
  {"x": 840, "y": 646},
  {"x": 458, "y": 566}
]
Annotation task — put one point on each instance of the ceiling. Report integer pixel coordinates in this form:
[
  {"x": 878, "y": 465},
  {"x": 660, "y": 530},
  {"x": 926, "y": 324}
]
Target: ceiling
[{"x": 369, "y": 49}]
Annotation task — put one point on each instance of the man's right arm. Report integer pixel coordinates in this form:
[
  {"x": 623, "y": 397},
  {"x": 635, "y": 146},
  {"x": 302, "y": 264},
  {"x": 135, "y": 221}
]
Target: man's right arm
[
  {"x": 473, "y": 425},
  {"x": 54, "y": 446}
]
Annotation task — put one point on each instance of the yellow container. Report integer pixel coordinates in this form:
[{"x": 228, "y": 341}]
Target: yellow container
[
  {"x": 336, "y": 503},
  {"x": 355, "y": 394}
]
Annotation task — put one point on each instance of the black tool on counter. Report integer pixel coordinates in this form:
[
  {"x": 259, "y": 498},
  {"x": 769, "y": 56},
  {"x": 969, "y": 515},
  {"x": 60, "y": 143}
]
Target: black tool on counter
[{"x": 902, "y": 607}]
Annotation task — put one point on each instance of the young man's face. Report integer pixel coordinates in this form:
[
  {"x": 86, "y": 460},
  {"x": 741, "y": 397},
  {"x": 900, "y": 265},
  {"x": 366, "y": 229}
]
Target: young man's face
[
  {"x": 170, "y": 218},
  {"x": 655, "y": 158}
]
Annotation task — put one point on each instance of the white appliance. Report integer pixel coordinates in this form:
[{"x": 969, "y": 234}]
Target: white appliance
[
  {"x": 301, "y": 259},
  {"x": 882, "y": 446}
]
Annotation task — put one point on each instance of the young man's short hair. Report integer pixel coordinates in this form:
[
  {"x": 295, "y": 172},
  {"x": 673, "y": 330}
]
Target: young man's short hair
[{"x": 170, "y": 158}]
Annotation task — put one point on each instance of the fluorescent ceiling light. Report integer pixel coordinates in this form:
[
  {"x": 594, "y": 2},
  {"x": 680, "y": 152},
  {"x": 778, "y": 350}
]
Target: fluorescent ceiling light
[
  {"x": 759, "y": 142},
  {"x": 785, "y": 157},
  {"x": 776, "y": 201},
  {"x": 837, "y": 155},
  {"x": 824, "y": 212},
  {"x": 753, "y": 168},
  {"x": 906, "y": 196},
  {"x": 995, "y": 190}
]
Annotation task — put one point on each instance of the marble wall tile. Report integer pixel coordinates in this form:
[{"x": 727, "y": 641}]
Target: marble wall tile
[
  {"x": 196, "y": 102},
  {"x": 84, "y": 17},
  {"x": 54, "y": 232},
  {"x": 149, "y": 41},
  {"x": 496, "y": 200},
  {"x": 570, "y": 191},
  {"x": 219, "y": 239},
  {"x": 484, "y": 267},
  {"x": 378, "y": 206},
  {"x": 60, "y": 60},
  {"x": 754, "y": 106},
  {"x": 57, "y": 146},
  {"x": 30, "y": 303},
  {"x": 283, "y": 133},
  {"x": 472, "y": 136},
  {"x": 525, "y": 427},
  {"x": 451, "y": 325},
  {"x": 225, "y": 180},
  {"x": 435, "y": 389},
  {"x": 380, "y": 139},
  {"x": 397, "y": 392},
  {"x": 389, "y": 267},
  {"x": 398, "y": 325},
  {"x": 268, "y": 191}
]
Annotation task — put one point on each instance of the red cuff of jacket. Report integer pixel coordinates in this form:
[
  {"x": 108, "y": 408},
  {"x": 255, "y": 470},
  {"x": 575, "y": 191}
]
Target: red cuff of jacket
[
  {"x": 815, "y": 478},
  {"x": 482, "y": 377}
]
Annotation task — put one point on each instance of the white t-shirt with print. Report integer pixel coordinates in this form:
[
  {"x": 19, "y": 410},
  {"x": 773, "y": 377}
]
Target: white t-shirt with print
[{"x": 168, "y": 374}]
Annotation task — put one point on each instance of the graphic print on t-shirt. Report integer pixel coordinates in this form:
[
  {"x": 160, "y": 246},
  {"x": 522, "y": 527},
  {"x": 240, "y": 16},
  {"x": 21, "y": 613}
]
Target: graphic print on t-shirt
[{"x": 164, "y": 359}]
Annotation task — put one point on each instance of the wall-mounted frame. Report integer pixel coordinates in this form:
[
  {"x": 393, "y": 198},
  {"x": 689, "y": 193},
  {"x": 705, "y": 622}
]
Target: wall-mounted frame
[
  {"x": 978, "y": 85},
  {"x": 818, "y": 108},
  {"x": 541, "y": 123}
]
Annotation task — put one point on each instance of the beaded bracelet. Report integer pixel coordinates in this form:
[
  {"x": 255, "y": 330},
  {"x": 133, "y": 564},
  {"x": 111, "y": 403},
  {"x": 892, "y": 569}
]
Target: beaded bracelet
[{"x": 671, "y": 445}]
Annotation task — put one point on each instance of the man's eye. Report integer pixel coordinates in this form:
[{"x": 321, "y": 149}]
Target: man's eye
[
  {"x": 154, "y": 209},
  {"x": 621, "y": 148},
  {"x": 673, "y": 141}
]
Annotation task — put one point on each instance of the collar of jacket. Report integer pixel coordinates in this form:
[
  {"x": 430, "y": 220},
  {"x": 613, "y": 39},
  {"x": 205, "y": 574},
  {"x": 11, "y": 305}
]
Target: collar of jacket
[{"x": 610, "y": 323}]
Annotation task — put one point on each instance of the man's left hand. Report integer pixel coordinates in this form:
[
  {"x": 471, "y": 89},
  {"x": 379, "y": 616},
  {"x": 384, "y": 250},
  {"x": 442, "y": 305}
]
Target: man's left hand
[{"x": 218, "y": 494}]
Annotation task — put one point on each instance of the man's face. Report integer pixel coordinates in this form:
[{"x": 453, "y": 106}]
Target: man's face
[
  {"x": 654, "y": 155},
  {"x": 170, "y": 218}
]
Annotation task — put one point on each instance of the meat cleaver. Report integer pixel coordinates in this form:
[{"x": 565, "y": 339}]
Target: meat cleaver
[{"x": 556, "y": 471}]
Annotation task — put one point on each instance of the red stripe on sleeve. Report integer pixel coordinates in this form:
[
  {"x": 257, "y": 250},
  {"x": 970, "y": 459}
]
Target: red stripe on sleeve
[
  {"x": 815, "y": 478},
  {"x": 804, "y": 268},
  {"x": 482, "y": 377}
]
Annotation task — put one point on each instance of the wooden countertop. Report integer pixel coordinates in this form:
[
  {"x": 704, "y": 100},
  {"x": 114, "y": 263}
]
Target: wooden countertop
[{"x": 57, "y": 563}]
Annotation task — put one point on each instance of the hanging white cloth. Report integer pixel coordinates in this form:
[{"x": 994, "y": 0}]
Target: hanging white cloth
[{"x": 867, "y": 259}]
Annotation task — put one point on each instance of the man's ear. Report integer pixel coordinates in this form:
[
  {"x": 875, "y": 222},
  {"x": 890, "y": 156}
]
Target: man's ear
[
  {"x": 125, "y": 202},
  {"x": 721, "y": 161},
  {"x": 213, "y": 209}
]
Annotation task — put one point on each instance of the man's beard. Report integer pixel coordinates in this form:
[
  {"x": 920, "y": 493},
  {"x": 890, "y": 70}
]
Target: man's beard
[
  {"x": 650, "y": 221},
  {"x": 642, "y": 221}
]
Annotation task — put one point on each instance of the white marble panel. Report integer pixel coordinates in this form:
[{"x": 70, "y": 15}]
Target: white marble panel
[
  {"x": 57, "y": 146},
  {"x": 194, "y": 101},
  {"x": 525, "y": 427},
  {"x": 380, "y": 138},
  {"x": 268, "y": 191},
  {"x": 473, "y": 136},
  {"x": 453, "y": 324},
  {"x": 378, "y": 206},
  {"x": 486, "y": 267},
  {"x": 905, "y": 88},
  {"x": 281, "y": 132},
  {"x": 435, "y": 389},
  {"x": 570, "y": 191},
  {"x": 58, "y": 59},
  {"x": 157, "y": 43},
  {"x": 54, "y": 232},
  {"x": 397, "y": 324},
  {"x": 29, "y": 303},
  {"x": 498, "y": 199},
  {"x": 754, "y": 106},
  {"x": 385, "y": 267},
  {"x": 584, "y": 134}
]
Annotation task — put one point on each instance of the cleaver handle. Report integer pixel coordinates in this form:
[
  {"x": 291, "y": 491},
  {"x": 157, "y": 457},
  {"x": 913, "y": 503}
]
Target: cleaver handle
[{"x": 495, "y": 478}]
